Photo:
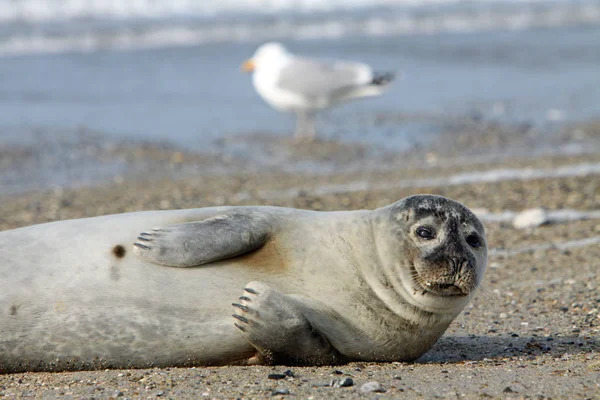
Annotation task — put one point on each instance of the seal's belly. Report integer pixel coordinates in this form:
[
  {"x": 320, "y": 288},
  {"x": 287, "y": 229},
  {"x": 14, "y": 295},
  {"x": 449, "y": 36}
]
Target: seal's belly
[{"x": 74, "y": 292}]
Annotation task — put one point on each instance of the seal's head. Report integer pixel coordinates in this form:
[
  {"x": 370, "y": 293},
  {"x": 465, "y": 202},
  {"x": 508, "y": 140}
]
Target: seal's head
[{"x": 441, "y": 253}]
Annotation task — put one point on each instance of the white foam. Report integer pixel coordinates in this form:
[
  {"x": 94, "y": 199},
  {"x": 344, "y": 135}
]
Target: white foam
[
  {"x": 89, "y": 25},
  {"x": 552, "y": 216},
  {"x": 53, "y": 10},
  {"x": 571, "y": 244},
  {"x": 489, "y": 176}
]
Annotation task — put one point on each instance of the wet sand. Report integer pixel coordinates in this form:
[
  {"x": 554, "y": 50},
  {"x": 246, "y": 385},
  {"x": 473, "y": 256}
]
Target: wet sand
[{"x": 533, "y": 331}]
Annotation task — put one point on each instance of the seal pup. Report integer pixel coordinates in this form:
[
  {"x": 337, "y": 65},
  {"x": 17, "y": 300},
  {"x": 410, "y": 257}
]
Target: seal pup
[
  {"x": 304, "y": 287},
  {"x": 303, "y": 85}
]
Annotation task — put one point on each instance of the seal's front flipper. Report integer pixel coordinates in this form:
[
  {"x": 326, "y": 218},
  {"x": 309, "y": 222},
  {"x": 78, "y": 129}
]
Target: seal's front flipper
[
  {"x": 196, "y": 243},
  {"x": 281, "y": 334}
]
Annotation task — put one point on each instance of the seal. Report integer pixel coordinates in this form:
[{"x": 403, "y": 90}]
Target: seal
[{"x": 304, "y": 287}]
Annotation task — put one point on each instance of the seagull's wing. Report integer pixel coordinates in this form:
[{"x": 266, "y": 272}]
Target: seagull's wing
[{"x": 314, "y": 79}]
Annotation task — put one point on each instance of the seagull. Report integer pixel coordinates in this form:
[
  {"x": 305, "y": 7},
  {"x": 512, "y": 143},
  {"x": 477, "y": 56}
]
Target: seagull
[{"x": 302, "y": 85}]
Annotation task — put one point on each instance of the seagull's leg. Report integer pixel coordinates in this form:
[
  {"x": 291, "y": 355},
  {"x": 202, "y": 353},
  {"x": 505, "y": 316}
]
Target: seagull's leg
[
  {"x": 310, "y": 128},
  {"x": 300, "y": 125}
]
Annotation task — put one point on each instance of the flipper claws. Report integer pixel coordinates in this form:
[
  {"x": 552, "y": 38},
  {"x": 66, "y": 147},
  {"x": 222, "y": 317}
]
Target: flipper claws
[
  {"x": 240, "y": 306},
  {"x": 245, "y": 320}
]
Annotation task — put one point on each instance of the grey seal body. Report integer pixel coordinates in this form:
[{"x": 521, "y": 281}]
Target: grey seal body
[{"x": 236, "y": 285}]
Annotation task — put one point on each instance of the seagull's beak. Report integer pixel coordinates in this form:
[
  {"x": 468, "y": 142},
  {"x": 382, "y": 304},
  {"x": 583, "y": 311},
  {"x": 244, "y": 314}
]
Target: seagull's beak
[{"x": 248, "y": 65}]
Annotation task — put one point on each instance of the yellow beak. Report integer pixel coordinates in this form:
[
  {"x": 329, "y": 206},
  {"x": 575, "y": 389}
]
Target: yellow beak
[{"x": 248, "y": 66}]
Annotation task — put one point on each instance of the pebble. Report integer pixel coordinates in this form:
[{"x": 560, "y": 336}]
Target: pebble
[
  {"x": 373, "y": 386},
  {"x": 345, "y": 382},
  {"x": 280, "y": 391},
  {"x": 531, "y": 218}
]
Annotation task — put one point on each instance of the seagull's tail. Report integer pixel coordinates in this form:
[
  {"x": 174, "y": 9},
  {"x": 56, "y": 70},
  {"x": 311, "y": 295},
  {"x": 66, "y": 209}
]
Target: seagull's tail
[{"x": 382, "y": 78}]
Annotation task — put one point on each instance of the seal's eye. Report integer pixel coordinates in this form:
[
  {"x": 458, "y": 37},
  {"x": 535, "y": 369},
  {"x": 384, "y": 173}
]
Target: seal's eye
[
  {"x": 473, "y": 240},
  {"x": 426, "y": 232}
]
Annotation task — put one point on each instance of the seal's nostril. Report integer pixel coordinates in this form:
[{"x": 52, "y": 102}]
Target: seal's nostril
[{"x": 459, "y": 265}]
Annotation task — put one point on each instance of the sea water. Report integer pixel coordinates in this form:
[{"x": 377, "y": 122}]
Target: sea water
[{"x": 169, "y": 70}]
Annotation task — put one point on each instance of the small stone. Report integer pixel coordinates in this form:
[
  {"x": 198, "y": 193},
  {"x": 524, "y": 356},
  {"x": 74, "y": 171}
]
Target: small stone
[
  {"x": 345, "y": 382},
  {"x": 531, "y": 218},
  {"x": 503, "y": 315},
  {"x": 276, "y": 376},
  {"x": 281, "y": 391},
  {"x": 514, "y": 335},
  {"x": 159, "y": 394},
  {"x": 508, "y": 390},
  {"x": 370, "y": 387},
  {"x": 288, "y": 372}
]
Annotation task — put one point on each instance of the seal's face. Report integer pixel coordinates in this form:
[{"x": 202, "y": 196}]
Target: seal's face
[{"x": 445, "y": 251}]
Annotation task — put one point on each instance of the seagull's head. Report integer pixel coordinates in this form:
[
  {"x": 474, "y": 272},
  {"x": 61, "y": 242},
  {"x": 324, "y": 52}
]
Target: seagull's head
[{"x": 271, "y": 53}]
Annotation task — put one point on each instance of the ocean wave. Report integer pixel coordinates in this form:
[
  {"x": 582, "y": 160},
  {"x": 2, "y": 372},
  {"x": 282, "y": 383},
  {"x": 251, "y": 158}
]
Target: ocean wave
[
  {"x": 53, "y": 10},
  {"x": 189, "y": 23}
]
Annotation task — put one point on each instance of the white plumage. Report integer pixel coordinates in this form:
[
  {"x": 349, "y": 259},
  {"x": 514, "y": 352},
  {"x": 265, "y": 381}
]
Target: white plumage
[{"x": 304, "y": 86}]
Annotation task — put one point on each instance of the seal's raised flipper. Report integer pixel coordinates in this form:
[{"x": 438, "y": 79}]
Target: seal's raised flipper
[
  {"x": 276, "y": 327},
  {"x": 213, "y": 239}
]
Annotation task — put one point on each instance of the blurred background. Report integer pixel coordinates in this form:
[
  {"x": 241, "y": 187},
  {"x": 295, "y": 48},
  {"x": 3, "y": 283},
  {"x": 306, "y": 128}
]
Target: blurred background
[{"x": 82, "y": 81}]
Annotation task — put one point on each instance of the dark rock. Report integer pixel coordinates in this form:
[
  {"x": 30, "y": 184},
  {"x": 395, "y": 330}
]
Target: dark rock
[
  {"x": 345, "y": 382},
  {"x": 276, "y": 376}
]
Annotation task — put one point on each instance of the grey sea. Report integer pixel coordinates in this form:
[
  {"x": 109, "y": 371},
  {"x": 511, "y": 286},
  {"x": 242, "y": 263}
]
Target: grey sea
[{"x": 106, "y": 80}]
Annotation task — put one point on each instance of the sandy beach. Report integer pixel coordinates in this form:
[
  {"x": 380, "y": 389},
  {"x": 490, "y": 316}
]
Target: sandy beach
[{"x": 532, "y": 331}]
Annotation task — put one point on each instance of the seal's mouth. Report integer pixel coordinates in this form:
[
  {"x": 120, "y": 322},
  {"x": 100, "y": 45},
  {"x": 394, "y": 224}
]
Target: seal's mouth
[
  {"x": 443, "y": 289},
  {"x": 440, "y": 287}
]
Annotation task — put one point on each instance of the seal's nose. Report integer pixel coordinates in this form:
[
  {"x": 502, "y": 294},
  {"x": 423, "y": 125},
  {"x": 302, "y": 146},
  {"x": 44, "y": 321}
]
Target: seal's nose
[{"x": 459, "y": 264}]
